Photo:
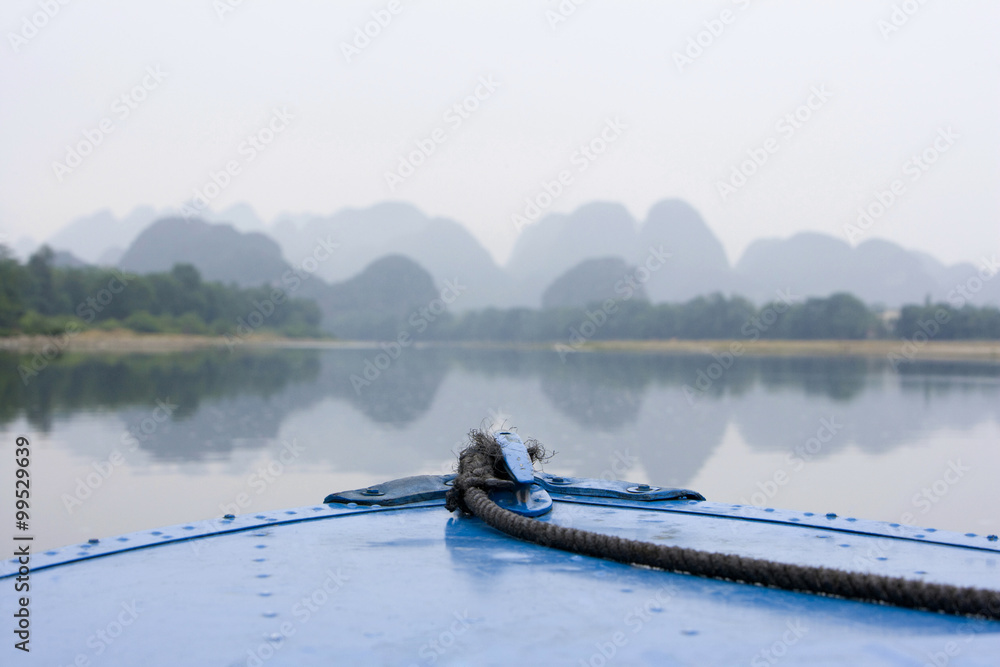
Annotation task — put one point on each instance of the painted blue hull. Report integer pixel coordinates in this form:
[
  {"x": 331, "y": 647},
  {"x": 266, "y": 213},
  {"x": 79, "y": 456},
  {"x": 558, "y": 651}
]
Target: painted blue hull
[{"x": 413, "y": 584}]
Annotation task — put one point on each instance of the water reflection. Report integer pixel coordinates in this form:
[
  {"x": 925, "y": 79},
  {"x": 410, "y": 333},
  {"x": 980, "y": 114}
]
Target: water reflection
[{"x": 587, "y": 403}]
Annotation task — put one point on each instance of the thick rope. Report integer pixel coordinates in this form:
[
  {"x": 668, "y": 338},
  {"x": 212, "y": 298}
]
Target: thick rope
[{"x": 480, "y": 469}]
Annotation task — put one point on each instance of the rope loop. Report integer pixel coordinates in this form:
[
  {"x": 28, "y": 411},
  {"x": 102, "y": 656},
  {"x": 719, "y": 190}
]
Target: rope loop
[{"x": 481, "y": 468}]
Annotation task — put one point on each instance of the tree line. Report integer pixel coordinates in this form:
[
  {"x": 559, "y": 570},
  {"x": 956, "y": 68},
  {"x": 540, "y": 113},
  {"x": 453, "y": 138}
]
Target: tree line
[
  {"x": 40, "y": 298},
  {"x": 839, "y": 316}
]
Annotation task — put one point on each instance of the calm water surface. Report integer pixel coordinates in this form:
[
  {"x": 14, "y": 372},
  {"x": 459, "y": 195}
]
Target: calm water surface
[{"x": 123, "y": 443}]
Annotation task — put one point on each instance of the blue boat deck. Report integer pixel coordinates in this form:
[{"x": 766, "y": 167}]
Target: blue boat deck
[{"x": 415, "y": 585}]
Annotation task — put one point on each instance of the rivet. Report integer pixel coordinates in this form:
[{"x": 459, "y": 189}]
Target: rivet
[
  {"x": 642, "y": 488},
  {"x": 372, "y": 491},
  {"x": 229, "y": 516},
  {"x": 93, "y": 540},
  {"x": 558, "y": 480},
  {"x": 991, "y": 538},
  {"x": 831, "y": 515}
]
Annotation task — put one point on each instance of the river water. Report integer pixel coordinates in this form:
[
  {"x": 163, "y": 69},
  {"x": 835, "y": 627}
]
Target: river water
[{"x": 129, "y": 442}]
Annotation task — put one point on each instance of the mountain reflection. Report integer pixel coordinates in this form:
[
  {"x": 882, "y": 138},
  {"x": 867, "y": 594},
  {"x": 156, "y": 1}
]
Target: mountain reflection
[{"x": 591, "y": 406}]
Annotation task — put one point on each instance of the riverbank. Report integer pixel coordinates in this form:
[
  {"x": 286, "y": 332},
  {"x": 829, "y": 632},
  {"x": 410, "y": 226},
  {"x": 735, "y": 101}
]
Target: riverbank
[
  {"x": 123, "y": 340},
  {"x": 131, "y": 342},
  {"x": 945, "y": 350}
]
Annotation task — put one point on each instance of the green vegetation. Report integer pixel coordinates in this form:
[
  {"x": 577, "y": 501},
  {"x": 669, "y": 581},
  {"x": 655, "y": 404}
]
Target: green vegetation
[
  {"x": 944, "y": 322},
  {"x": 839, "y": 316},
  {"x": 39, "y": 298}
]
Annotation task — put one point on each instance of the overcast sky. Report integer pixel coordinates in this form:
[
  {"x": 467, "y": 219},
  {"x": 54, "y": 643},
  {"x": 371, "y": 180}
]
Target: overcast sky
[{"x": 879, "y": 95}]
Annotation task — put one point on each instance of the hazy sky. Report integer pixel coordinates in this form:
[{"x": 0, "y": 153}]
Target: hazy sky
[{"x": 878, "y": 98}]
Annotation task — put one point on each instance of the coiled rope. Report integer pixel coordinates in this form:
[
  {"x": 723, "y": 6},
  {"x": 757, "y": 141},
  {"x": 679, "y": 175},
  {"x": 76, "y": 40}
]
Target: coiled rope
[{"x": 480, "y": 468}]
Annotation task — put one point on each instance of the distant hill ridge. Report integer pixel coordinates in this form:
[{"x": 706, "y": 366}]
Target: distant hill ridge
[{"x": 250, "y": 253}]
